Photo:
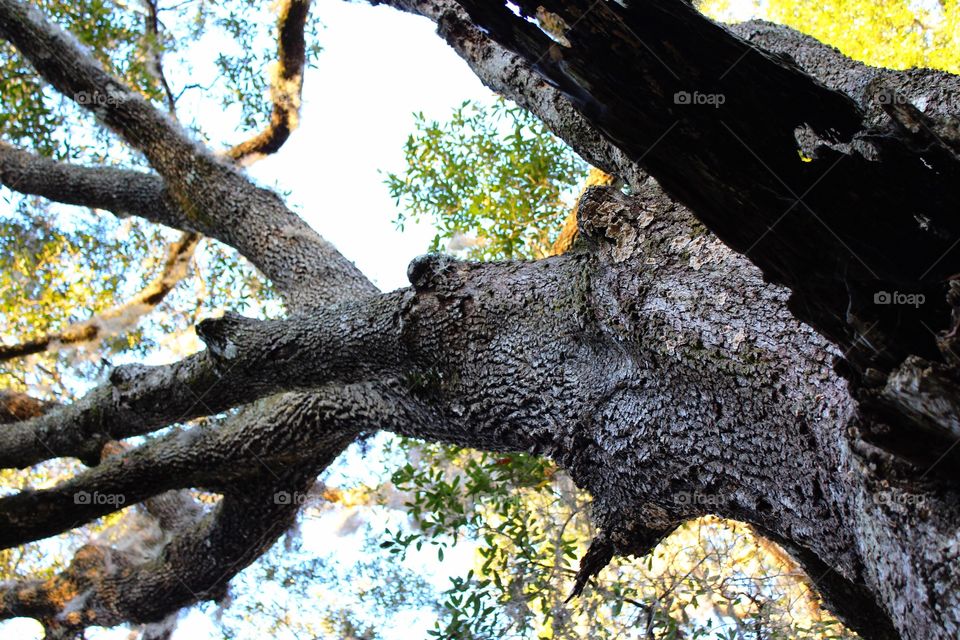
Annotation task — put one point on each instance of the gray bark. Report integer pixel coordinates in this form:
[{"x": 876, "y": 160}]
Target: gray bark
[{"x": 657, "y": 365}]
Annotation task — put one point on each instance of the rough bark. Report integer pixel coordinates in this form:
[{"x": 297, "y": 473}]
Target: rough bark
[
  {"x": 670, "y": 374},
  {"x": 737, "y": 165},
  {"x": 261, "y": 462},
  {"x": 736, "y": 162}
]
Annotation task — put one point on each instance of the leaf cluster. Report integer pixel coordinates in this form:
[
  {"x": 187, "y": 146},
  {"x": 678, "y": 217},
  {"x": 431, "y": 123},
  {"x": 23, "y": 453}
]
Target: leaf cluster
[{"x": 492, "y": 179}]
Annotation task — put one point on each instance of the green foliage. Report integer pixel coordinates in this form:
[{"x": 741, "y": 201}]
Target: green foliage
[
  {"x": 59, "y": 268},
  {"x": 492, "y": 179},
  {"x": 496, "y": 501},
  {"x": 439, "y": 507},
  {"x": 528, "y": 524}
]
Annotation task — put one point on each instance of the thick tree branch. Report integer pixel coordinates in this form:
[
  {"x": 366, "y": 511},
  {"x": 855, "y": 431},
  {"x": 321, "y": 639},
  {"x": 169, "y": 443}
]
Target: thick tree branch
[
  {"x": 121, "y": 317},
  {"x": 137, "y": 400},
  {"x": 250, "y": 459},
  {"x": 123, "y": 192},
  {"x": 934, "y": 90},
  {"x": 126, "y": 192},
  {"x": 245, "y": 360},
  {"x": 205, "y": 188},
  {"x": 285, "y": 87},
  {"x": 289, "y": 430},
  {"x": 646, "y": 91}
]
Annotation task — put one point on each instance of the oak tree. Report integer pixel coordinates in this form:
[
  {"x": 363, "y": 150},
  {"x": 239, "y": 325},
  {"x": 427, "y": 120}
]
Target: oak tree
[{"x": 765, "y": 323}]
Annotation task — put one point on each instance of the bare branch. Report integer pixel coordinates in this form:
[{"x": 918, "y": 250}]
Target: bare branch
[
  {"x": 286, "y": 85},
  {"x": 285, "y": 430},
  {"x": 154, "y": 55},
  {"x": 250, "y": 459},
  {"x": 121, "y": 317},
  {"x": 123, "y": 192}
]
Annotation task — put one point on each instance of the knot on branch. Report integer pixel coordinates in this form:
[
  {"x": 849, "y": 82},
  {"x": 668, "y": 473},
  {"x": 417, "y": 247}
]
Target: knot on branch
[
  {"x": 608, "y": 221},
  {"x": 223, "y": 335},
  {"x": 430, "y": 270}
]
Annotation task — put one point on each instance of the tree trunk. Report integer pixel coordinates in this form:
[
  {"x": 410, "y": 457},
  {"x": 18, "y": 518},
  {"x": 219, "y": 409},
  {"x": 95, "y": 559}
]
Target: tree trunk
[{"x": 671, "y": 382}]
